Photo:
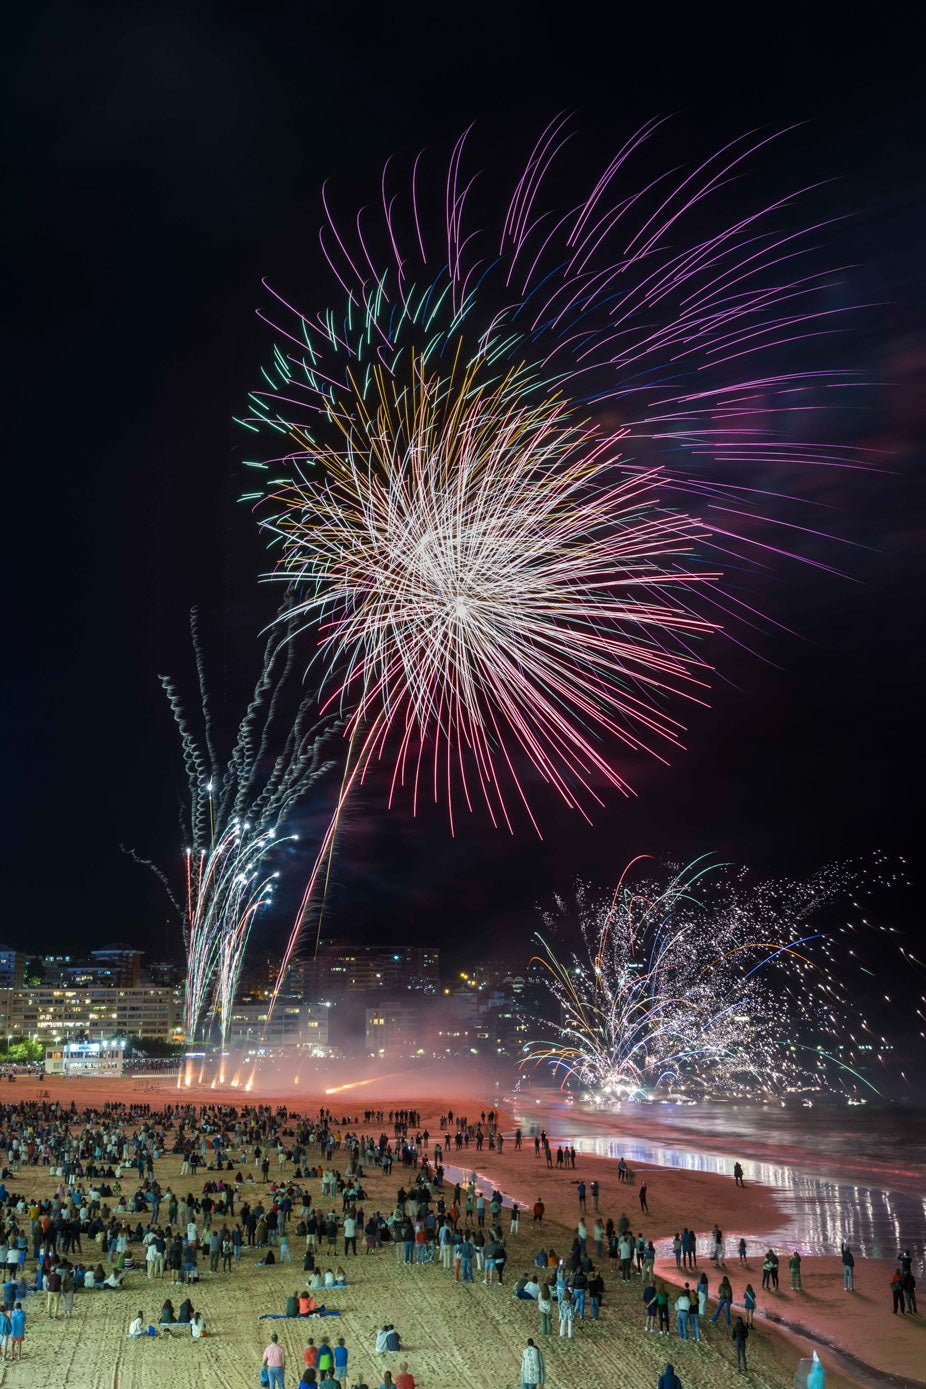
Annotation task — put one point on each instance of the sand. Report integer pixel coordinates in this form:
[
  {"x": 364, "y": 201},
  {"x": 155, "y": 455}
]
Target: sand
[{"x": 461, "y": 1336}]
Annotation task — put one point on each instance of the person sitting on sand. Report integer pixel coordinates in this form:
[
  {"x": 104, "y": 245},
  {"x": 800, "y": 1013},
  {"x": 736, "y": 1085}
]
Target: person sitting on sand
[
  {"x": 186, "y": 1311},
  {"x": 527, "y": 1288},
  {"x": 267, "y": 1259},
  {"x": 198, "y": 1325},
  {"x": 292, "y": 1306},
  {"x": 114, "y": 1281},
  {"x": 541, "y": 1259},
  {"x": 316, "y": 1281},
  {"x": 138, "y": 1327},
  {"x": 167, "y": 1315},
  {"x": 340, "y": 1277},
  {"x": 387, "y": 1340},
  {"x": 307, "y": 1304}
]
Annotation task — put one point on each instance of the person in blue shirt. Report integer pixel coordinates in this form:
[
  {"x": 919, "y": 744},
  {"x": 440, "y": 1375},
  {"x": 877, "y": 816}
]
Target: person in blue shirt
[
  {"x": 17, "y": 1332},
  {"x": 340, "y": 1361}
]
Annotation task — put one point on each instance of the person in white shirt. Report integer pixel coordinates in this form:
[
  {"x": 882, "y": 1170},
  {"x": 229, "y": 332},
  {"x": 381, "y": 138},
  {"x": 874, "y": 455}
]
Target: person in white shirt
[{"x": 138, "y": 1327}]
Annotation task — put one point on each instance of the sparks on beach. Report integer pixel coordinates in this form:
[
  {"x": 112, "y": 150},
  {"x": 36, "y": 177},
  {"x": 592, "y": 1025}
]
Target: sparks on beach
[
  {"x": 699, "y": 984},
  {"x": 233, "y": 825}
]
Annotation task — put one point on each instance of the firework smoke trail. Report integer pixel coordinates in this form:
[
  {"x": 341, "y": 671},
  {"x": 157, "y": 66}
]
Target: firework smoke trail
[
  {"x": 232, "y": 823},
  {"x": 707, "y": 988},
  {"x": 513, "y": 464}
]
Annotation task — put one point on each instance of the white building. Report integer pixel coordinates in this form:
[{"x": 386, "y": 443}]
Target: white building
[
  {"x": 292, "y": 1024},
  {"x": 51, "y": 1015},
  {"x": 85, "y": 1058}
]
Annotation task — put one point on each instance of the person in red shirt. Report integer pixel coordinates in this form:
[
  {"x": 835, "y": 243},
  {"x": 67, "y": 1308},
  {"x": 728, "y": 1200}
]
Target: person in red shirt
[
  {"x": 403, "y": 1379},
  {"x": 310, "y": 1356}
]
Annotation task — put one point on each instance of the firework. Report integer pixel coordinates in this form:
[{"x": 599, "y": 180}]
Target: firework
[
  {"x": 514, "y": 465},
  {"x": 706, "y": 986},
  {"x": 233, "y": 821}
]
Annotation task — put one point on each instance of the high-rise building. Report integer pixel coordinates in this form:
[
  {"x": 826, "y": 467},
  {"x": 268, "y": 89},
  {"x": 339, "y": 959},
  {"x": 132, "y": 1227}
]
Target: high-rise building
[
  {"x": 339, "y": 968},
  {"x": 114, "y": 966},
  {"x": 12, "y": 965}
]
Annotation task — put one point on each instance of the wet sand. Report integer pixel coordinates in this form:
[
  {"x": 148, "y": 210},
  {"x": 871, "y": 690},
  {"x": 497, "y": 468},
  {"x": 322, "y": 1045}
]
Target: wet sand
[{"x": 456, "y": 1335}]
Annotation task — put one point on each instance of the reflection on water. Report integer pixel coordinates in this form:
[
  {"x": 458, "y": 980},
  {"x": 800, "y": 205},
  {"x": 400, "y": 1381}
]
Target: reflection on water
[{"x": 859, "y": 1182}]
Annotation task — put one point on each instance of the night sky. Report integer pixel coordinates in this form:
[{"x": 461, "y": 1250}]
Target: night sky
[{"x": 162, "y": 159}]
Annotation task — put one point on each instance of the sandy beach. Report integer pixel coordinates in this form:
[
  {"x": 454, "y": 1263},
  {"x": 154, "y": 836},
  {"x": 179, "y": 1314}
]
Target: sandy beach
[{"x": 454, "y": 1334}]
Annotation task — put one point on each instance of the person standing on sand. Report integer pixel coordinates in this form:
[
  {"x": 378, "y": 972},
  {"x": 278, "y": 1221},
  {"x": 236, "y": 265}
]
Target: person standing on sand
[
  {"x": 724, "y": 1299},
  {"x": 749, "y": 1302},
  {"x": 545, "y": 1307},
  {"x": 740, "y": 1335},
  {"x": 742, "y": 1250},
  {"x": 662, "y": 1307},
  {"x": 274, "y": 1361},
  {"x": 17, "y": 1331},
  {"x": 643, "y": 1206},
  {"x": 595, "y": 1191},
  {"x": 738, "y": 1173},
  {"x": 539, "y": 1209},
  {"x": 794, "y": 1264},
  {"x": 649, "y": 1303},
  {"x": 580, "y": 1192},
  {"x": 702, "y": 1291},
  {"x": 682, "y": 1308},
  {"x": 896, "y": 1286},
  {"x": 533, "y": 1369},
  {"x": 566, "y": 1313},
  {"x": 669, "y": 1379},
  {"x": 908, "y": 1283},
  {"x": 848, "y": 1269}
]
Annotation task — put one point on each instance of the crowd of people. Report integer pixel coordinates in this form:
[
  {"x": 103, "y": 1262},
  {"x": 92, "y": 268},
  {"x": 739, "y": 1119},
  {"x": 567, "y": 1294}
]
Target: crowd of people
[{"x": 261, "y": 1183}]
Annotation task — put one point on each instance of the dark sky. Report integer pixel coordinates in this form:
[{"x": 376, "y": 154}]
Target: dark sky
[{"x": 161, "y": 159}]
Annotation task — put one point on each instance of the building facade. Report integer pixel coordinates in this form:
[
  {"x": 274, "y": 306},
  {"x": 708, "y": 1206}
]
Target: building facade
[
  {"x": 51, "y": 1015},
  {"x": 370, "y": 968},
  {"x": 12, "y": 966},
  {"x": 292, "y": 1024}
]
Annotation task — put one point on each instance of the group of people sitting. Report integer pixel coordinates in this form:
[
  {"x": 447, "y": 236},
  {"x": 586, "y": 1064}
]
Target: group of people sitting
[
  {"x": 168, "y": 1318},
  {"x": 387, "y": 1339},
  {"x": 301, "y": 1304}
]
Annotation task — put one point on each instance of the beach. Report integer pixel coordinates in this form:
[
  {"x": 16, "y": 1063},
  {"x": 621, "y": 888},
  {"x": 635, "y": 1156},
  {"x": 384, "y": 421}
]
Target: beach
[{"x": 455, "y": 1334}]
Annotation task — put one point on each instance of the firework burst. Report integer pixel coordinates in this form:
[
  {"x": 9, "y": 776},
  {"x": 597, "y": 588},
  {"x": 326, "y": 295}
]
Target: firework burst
[
  {"x": 514, "y": 465},
  {"x": 705, "y": 986}
]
